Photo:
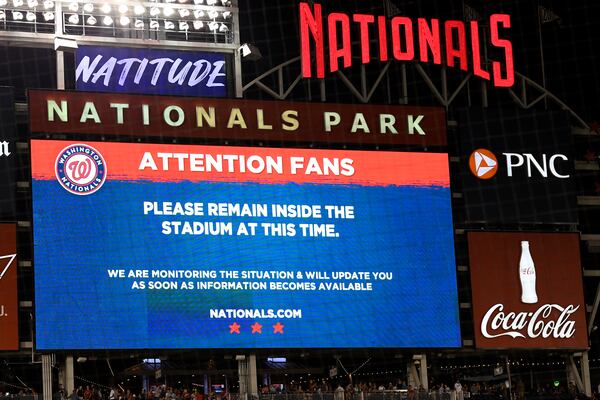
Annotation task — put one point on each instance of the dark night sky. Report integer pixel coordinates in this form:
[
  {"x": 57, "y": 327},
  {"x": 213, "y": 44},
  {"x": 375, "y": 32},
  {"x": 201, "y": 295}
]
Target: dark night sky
[{"x": 571, "y": 46}]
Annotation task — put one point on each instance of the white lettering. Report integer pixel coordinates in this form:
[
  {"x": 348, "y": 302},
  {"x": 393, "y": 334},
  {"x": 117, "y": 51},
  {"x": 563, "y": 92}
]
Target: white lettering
[
  {"x": 413, "y": 124},
  {"x": 495, "y": 323}
]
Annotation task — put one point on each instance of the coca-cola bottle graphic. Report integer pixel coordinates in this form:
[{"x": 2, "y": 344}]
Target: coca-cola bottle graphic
[{"x": 527, "y": 275}]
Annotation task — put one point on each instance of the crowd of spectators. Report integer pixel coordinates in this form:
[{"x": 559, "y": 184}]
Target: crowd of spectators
[{"x": 328, "y": 390}]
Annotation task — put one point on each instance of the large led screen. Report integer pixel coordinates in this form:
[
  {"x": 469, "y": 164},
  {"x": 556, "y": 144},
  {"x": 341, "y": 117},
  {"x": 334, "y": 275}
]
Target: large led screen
[{"x": 173, "y": 246}]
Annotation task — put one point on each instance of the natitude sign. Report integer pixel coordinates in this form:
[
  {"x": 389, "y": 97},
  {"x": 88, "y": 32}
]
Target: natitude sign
[
  {"x": 527, "y": 290},
  {"x": 150, "y": 71},
  {"x": 165, "y": 116},
  {"x": 9, "y": 323}
]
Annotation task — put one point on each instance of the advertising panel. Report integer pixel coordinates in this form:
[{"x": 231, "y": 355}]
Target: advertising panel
[
  {"x": 527, "y": 290},
  {"x": 280, "y": 121},
  {"x": 176, "y": 246},
  {"x": 150, "y": 71},
  {"x": 517, "y": 167},
  {"x": 9, "y": 322},
  {"x": 8, "y": 154}
]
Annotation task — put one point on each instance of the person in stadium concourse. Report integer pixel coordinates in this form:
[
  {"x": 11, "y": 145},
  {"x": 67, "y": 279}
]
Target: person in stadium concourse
[{"x": 339, "y": 393}]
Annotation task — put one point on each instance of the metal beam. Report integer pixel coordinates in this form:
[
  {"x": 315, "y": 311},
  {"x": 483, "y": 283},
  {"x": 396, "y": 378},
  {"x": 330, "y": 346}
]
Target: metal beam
[{"x": 594, "y": 309}]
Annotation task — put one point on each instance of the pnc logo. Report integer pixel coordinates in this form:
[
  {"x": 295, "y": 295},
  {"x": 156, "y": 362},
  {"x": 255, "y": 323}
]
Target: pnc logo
[{"x": 483, "y": 164}]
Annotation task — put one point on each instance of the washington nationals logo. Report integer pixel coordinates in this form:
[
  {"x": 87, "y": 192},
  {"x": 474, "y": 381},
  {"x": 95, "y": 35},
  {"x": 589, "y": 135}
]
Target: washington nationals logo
[{"x": 80, "y": 169}]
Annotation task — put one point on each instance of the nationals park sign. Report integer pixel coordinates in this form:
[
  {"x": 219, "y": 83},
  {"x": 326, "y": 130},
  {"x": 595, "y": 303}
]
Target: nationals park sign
[{"x": 214, "y": 118}]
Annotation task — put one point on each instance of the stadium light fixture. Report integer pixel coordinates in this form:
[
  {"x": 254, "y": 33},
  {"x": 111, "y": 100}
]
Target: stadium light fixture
[
  {"x": 64, "y": 44},
  {"x": 73, "y": 19},
  {"x": 250, "y": 52},
  {"x": 168, "y": 11}
]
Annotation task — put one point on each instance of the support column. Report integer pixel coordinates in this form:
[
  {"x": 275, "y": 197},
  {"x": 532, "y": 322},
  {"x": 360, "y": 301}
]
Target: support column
[
  {"x": 60, "y": 56},
  {"x": 423, "y": 372},
  {"x": 47, "y": 376},
  {"x": 248, "y": 376},
  {"x": 237, "y": 57},
  {"x": 67, "y": 375},
  {"x": 573, "y": 373},
  {"x": 252, "y": 376},
  {"x": 412, "y": 376},
  {"x": 60, "y": 70},
  {"x": 585, "y": 374}
]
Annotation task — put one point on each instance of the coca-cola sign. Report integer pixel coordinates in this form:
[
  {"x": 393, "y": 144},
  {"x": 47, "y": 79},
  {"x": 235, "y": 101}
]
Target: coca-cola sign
[
  {"x": 527, "y": 290},
  {"x": 9, "y": 304}
]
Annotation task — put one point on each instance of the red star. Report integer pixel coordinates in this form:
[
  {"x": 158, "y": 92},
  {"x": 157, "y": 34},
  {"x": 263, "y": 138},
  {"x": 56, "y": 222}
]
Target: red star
[
  {"x": 256, "y": 328},
  {"x": 234, "y": 328},
  {"x": 595, "y": 127},
  {"x": 278, "y": 328},
  {"x": 590, "y": 156}
]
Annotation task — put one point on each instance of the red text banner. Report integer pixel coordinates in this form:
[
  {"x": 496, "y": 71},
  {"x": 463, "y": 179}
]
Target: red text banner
[
  {"x": 234, "y": 119},
  {"x": 9, "y": 323},
  {"x": 177, "y": 163}
]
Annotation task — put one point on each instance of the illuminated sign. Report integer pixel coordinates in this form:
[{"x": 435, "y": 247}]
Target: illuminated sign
[
  {"x": 150, "y": 71},
  {"x": 527, "y": 290},
  {"x": 236, "y": 247},
  {"x": 9, "y": 322},
  {"x": 421, "y": 40},
  {"x": 8, "y": 155},
  {"x": 122, "y": 114},
  {"x": 516, "y": 166}
]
